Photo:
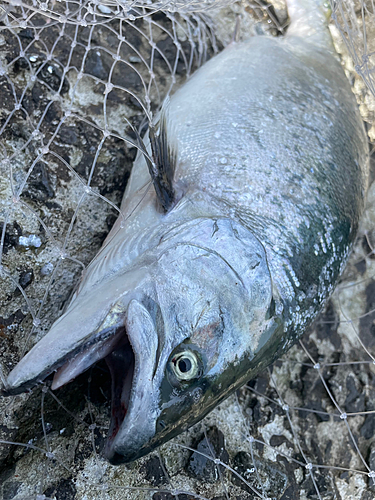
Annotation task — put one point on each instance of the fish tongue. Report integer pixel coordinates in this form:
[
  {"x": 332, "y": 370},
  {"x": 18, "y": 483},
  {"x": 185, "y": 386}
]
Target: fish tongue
[{"x": 85, "y": 359}]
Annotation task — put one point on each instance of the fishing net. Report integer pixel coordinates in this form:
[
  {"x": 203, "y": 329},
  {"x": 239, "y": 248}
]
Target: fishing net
[{"x": 78, "y": 81}]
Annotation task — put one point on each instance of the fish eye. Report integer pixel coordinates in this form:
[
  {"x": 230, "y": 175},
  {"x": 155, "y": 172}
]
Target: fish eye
[{"x": 186, "y": 365}]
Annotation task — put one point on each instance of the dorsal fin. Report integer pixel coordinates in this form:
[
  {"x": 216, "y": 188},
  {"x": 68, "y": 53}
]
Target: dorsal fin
[{"x": 164, "y": 161}]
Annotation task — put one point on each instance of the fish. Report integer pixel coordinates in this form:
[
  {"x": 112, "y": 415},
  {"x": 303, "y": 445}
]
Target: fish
[{"x": 236, "y": 223}]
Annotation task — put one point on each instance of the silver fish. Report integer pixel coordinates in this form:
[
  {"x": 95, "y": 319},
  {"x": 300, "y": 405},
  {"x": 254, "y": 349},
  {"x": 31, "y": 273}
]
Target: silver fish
[{"x": 259, "y": 166}]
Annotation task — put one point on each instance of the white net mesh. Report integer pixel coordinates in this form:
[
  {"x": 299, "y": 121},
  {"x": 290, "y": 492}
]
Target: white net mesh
[{"x": 76, "y": 80}]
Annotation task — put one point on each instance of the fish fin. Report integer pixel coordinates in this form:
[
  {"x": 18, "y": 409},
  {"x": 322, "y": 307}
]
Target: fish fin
[
  {"x": 164, "y": 161},
  {"x": 309, "y": 20}
]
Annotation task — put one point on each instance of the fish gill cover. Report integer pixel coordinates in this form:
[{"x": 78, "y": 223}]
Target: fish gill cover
[{"x": 76, "y": 80}]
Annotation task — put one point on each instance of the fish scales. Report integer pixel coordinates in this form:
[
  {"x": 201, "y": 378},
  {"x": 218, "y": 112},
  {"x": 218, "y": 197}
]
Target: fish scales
[{"x": 187, "y": 302}]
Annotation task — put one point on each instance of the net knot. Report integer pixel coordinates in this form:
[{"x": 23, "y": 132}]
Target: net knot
[{"x": 108, "y": 88}]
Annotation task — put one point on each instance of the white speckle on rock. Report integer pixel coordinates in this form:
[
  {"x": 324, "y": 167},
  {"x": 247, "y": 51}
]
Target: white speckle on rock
[
  {"x": 46, "y": 269},
  {"x": 30, "y": 241}
]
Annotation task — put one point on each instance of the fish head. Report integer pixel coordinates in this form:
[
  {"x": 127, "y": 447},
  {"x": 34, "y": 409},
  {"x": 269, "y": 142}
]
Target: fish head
[
  {"x": 180, "y": 330},
  {"x": 196, "y": 336}
]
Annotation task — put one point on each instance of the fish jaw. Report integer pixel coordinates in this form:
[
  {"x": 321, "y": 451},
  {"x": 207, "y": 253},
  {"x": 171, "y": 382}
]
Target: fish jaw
[{"x": 91, "y": 320}]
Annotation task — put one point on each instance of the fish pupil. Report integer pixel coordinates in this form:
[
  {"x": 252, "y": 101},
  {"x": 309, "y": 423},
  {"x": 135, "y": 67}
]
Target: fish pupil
[{"x": 184, "y": 365}]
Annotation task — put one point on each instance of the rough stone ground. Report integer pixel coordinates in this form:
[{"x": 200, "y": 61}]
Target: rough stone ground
[{"x": 260, "y": 442}]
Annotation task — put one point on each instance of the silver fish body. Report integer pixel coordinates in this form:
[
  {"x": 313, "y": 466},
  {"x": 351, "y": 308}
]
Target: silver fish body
[{"x": 186, "y": 305}]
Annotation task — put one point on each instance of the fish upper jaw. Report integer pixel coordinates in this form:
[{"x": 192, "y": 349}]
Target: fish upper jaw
[{"x": 89, "y": 321}]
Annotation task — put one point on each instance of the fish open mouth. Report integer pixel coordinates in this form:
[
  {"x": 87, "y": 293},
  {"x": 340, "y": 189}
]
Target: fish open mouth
[
  {"x": 121, "y": 364},
  {"x": 127, "y": 341},
  {"x": 116, "y": 350}
]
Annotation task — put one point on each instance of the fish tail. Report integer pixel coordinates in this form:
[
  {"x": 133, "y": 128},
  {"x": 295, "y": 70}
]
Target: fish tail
[{"x": 309, "y": 20}]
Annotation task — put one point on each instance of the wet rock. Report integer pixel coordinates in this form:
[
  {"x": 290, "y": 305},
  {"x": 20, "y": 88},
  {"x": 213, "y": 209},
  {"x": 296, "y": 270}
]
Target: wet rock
[
  {"x": 51, "y": 74},
  {"x": 97, "y": 64},
  {"x": 361, "y": 267},
  {"x": 355, "y": 400},
  {"x": 153, "y": 472},
  {"x": 6, "y": 435},
  {"x": 327, "y": 325},
  {"x": 160, "y": 495},
  {"x": 10, "y": 489},
  {"x": 273, "y": 480},
  {"x": 201, "y": 464},
  {"x": 368, "y": 428},
  {"x": 279, "y": 440},
  {"x": 12, "y": 234},
  {"x": 314, "y": 404},
  {"x": 26, "y": 278},
  {"x": 68, "y": 135},
  {"x": 12, "y": 321},
  {"x": 39, "y": 184},
  {"x": 169, "y": 50},
  {"x": 322, "y": 483},
  {"x": 291, "y": 493},
  {"x": 366, "y": 323},
  {"x": 65, "y": 490}
]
